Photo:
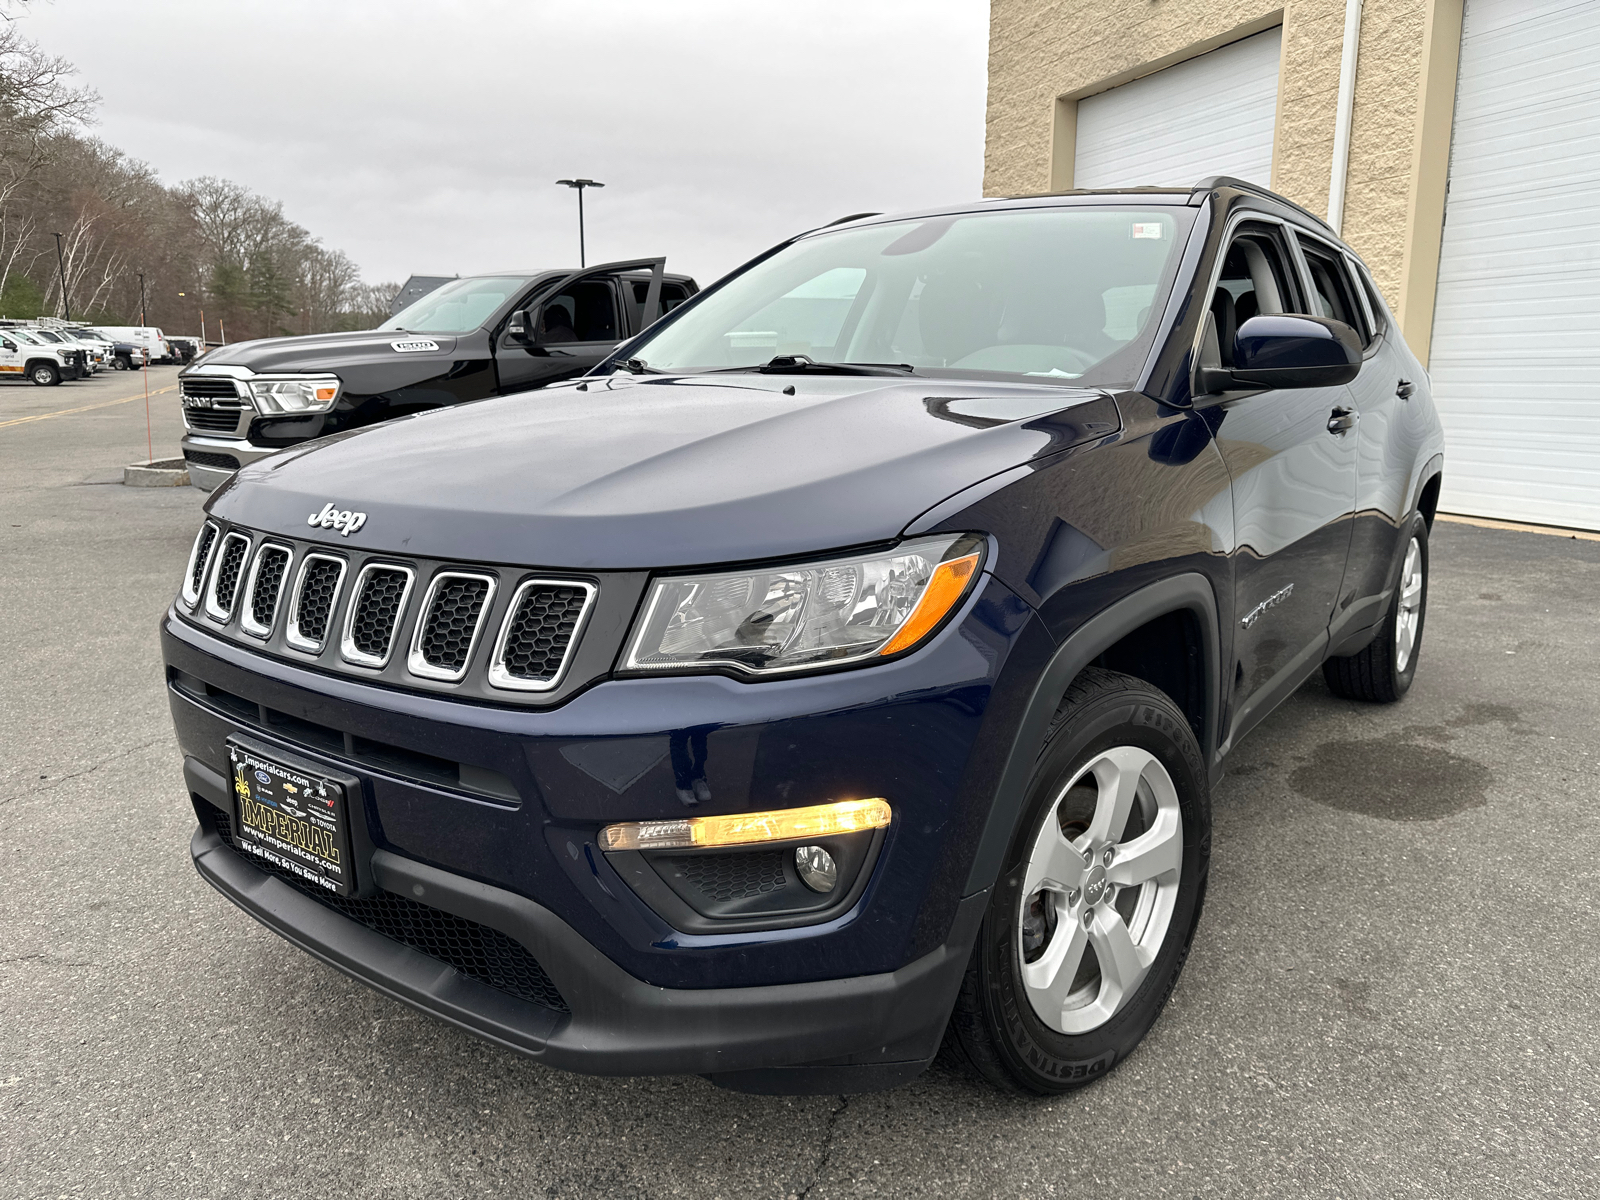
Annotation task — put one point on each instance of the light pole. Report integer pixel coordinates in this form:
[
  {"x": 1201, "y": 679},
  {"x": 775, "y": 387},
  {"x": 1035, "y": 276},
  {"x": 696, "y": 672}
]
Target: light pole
[
  {"x": 62, "y": 263},
  {"x": 578, "y": 185}
]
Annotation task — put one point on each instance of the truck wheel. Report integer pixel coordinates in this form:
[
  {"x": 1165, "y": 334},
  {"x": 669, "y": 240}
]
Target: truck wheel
[
  {"x": 44, "y": 374},
  {"x": 1092, "y": 916},
  {"x": 121, "y": 363},
  {"x": 1384, "y": 670}
]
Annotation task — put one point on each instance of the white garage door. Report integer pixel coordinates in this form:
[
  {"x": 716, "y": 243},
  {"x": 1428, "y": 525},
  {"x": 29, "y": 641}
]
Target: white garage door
[
  {"x": 1211, "y": 115},
  {"x": 1516, "y": 336}
]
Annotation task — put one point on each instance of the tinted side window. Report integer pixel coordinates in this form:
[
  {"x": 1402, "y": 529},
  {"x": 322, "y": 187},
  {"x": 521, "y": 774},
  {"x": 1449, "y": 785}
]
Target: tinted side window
[
  {"x": 584, "y": 312},
  {"x": 1332, "y": 295},
  {"x": 672, "y": 295}
]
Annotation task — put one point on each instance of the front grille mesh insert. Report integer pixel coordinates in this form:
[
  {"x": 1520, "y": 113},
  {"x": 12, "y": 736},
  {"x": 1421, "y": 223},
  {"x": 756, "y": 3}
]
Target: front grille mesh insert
[
  {"x": 376, "y": 609},
  {"x": 451, "y": 621},
  {"x": 475, "y": 950},
  {"x": 202, "y": 557},
  {"x": 273, "y": 562},
  {"x": 540, "y": 631},
  {"x": 320, "y": 583},
  {"x": 229, "y": 567}
]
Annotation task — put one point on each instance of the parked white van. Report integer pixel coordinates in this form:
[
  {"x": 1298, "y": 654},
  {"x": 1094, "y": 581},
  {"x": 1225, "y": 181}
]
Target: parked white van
[{"x": 148, "y": 336}]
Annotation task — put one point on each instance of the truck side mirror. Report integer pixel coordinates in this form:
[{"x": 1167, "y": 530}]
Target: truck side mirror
[
  {"x": 1289, "y": 350},
  {"x": 524, "y": 327}
]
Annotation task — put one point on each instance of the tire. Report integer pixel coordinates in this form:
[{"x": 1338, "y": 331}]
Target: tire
[
  {"x": 121, "y": 363},
  {"x": 1383, "y": 672},
  {"x": 1019, "y": 1020},
  {"x": 44, "y": 374}
]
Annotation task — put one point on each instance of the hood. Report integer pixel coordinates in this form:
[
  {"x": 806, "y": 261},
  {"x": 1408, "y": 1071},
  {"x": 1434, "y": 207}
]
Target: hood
[
  {"x": 334, "y": 351},
  {"x": 637, "y": 473}
]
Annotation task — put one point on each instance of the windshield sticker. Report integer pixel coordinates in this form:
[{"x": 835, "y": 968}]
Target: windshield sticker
[
  {"x": 1147, "y": 229},
  {"x": 413, "y": 345}
]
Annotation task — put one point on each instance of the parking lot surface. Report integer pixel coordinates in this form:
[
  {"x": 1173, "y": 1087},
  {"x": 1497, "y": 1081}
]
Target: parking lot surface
[{"x": 1393, "y": 991}]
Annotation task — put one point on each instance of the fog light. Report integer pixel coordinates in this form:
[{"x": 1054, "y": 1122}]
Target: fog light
[
  {"x": 743, "y": 829},
  {"x": 816, "y": 868}
]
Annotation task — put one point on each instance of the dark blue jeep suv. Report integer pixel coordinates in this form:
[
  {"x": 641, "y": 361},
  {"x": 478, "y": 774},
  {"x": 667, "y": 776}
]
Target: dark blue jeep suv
[{"x": 840, "y": 669}]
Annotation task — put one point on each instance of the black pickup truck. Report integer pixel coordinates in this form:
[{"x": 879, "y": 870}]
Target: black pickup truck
[{"x": 482, "y": 335}]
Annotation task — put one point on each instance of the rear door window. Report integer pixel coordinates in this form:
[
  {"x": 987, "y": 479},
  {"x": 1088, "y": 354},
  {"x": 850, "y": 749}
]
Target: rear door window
[{"x": 1332, "y": 293}]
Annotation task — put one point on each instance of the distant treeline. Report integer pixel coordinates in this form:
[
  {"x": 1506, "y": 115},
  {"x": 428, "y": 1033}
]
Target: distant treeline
[{"x": 207, "y": 244}]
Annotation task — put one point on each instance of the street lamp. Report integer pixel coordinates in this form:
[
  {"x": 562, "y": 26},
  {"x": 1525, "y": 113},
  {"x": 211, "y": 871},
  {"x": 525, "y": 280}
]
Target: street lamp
[
  {"x": 579, "y": 185},
  {"x": 62, "y": 263}
]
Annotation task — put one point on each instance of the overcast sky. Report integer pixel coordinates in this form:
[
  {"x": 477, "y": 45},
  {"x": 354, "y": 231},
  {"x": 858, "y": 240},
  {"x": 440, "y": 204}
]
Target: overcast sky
[{"x": 425, "y": 137}]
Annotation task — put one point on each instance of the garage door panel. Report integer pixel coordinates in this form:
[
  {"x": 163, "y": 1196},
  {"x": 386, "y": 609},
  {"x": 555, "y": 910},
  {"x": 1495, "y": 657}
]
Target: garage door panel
[
  {"x": 1515, "y": 358},
  {"x": 1211, "y": 115}
]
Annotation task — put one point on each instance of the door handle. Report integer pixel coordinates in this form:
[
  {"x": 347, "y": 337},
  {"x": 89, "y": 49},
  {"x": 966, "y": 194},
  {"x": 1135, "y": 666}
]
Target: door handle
[
  {"x": 1405, "y": 389},
  {"x": 1341, "y": 420}
]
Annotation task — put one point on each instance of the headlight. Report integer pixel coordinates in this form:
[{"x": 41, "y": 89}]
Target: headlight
[
  {"x": 820, "y": 614},
  {"x": 311, "y": 394}
]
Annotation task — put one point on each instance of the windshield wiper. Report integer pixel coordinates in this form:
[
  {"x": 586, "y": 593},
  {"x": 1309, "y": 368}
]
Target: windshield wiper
[
  {"x": 804, "y": 364},
  {"x": 638, "y": 366}
]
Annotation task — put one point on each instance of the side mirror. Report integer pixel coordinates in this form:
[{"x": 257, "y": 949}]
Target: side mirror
[
  {"x": 8, "y": 344},
  {"x": 1286, "y": 350},
  {"x": 524, "y": 327}
]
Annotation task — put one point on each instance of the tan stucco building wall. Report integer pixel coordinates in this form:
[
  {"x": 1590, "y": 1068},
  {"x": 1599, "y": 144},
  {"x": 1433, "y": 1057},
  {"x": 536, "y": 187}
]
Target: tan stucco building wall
[{"x": 1045, "y": 56}]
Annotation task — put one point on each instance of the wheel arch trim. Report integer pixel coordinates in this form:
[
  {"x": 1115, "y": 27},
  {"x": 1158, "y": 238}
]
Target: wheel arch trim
[{"x": 1190, "y": 592}]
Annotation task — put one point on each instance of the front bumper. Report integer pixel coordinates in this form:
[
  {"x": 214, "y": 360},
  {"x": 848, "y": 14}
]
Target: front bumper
[
  {"x": 212, "y": 459},
  {"x": 853, "y": 1034}
]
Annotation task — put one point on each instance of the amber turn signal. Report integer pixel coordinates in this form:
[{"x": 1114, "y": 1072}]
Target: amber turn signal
[
  {"x": 743, "y": 829},
  {"x": 944, "y": 591}
]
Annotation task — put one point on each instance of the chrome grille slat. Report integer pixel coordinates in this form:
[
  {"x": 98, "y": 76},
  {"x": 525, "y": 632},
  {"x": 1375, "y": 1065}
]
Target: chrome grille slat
[
  {"x": 543, "y": 623},
  {"x": 377, "y": 604},
  {"x": 486, "y": 633},
  {"x": 316, "y": 596},
  {"x": 199, "y": 559},
  {"x": 223, "y": 594},
  {"x": 451, "y": 621},
  {"x": 269, "y": 572}
]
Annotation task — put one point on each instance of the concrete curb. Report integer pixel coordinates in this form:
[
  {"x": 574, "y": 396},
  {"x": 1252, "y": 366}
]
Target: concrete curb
[{"x": 160, "y": 472}]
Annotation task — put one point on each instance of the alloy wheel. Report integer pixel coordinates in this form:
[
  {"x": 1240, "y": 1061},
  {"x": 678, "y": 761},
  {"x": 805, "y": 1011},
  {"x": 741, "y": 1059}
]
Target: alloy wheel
[
  {"x": 1099, "y": 889},
  {"x": 1410, "y": 615}
]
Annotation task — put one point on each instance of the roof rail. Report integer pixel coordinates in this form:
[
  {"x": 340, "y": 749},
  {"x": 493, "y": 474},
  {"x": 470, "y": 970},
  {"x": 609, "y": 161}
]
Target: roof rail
[{"x": 1244, "y": 185}]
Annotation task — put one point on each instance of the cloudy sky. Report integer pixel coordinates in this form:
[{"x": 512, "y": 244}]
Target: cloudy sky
[{"x": 425, "y": 137}]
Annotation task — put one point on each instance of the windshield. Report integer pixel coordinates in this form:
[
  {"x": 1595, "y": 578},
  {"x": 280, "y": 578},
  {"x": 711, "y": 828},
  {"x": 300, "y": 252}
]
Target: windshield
[
  {"x": 44, "y": 335},
  {"x": 23, "y": 335},
  {"x": 1059, "y": 293},
  {"x": 460, "y": 306}
]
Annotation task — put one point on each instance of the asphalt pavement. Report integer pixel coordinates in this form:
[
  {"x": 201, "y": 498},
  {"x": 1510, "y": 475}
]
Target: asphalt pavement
[{"x": 1394, "y": 991}]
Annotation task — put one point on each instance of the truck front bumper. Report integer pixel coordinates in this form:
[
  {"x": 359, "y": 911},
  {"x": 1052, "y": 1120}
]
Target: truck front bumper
[{"x": 212, "y": 459}]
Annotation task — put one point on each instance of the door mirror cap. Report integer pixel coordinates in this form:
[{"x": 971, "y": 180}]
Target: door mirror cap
[
  {"x": 1289, "y": 350},
  {"x": 524, "y": 327}
]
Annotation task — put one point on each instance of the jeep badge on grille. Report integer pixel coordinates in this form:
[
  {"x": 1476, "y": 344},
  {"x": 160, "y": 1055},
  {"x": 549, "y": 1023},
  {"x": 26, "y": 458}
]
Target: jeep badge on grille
[{"x": 345, "y": 521}]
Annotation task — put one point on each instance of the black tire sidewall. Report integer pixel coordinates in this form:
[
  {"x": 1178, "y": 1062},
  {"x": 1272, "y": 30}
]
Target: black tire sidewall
[
  {"x": 1418, "y": 529},
  {"x": 50, "y": 376},
  {"x": 1038, "y": 1057}
]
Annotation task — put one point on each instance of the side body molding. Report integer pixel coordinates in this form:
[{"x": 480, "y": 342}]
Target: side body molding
[{"x": 1191, "y": 592}]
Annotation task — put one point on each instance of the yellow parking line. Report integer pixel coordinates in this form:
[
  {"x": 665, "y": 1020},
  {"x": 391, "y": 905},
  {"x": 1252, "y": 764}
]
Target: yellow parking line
[
  {"x": 1520, "y": 527},
  {"x": 67, "y": 412}
]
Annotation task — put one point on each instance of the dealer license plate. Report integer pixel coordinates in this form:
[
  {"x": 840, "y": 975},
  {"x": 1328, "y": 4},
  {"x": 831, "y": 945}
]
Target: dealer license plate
[{"x": 294, "y": 819}]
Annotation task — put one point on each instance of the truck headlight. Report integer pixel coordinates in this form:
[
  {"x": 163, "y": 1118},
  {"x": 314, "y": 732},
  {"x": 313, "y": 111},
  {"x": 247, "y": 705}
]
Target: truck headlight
[
  {"x": 774, "y": 620},
  {"x": 310, "y": 393}
]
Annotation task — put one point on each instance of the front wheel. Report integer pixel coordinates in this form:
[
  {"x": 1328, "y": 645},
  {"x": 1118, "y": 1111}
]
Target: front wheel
[
  {"x": 1091, "y": 920},
  {"x": 1384, "y": 670},
  {"x": 44, "y": 374},
  {"x": 122, "y": 363}
]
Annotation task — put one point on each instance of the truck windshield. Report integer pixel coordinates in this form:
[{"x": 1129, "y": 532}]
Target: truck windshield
[
  {"x": 460, "y": 306},
  {"x": 1054, "y": 293}
]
